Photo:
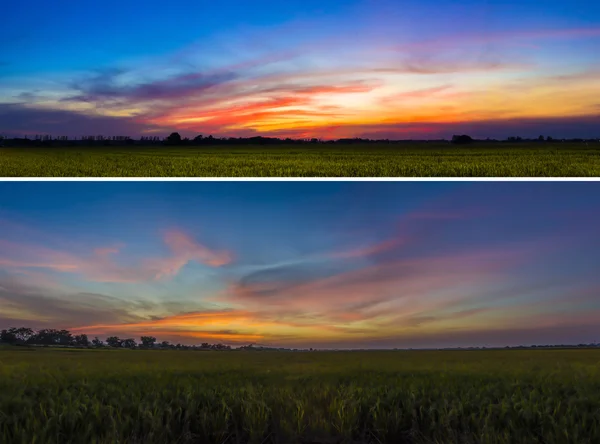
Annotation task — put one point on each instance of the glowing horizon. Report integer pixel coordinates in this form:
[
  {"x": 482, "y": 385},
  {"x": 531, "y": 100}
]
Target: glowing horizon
[
  {"x": 301, "y": 69},
  {"x": 304, "y": 264}
]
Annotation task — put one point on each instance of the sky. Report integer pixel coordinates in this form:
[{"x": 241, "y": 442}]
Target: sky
[
  {"x": 396, "y": 69},
  {"x": 305, "y": 264}
]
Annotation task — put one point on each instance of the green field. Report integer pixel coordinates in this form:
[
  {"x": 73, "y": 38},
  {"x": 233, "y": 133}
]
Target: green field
[
  {"x": 133, "y": 396},
  {"x": 416, "y": 160}
]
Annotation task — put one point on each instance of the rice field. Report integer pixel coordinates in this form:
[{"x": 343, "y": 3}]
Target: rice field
[
  {"x": 416, "y": 160},
  {"x": 135, "y": 396}
]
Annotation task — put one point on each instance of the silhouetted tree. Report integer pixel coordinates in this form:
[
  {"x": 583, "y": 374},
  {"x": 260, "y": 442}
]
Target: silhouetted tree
[
  {"x": 22, "y": 334},
  {"x": 461, "y": 140},
  {"x": 8, "y": 336},
  {"x": 49, "y": 336},
  {"x": 113, "y": 341},
  {"x": 148, "y": 341},
  {"x": 82, "y": 340},
  {"x": 65, "y": 338},
  {"x": 129, "y": 343},
  {"x": 174, "y": 139},
  {"x": 97, "y": 342}
]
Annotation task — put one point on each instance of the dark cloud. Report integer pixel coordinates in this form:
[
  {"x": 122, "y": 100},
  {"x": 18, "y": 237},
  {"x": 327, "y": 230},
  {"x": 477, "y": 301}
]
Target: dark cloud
[
  {"x": 17, "y": 119},
  {"x": 104, "y": 85},
  {"x": 557, "y": 127},
  {"x": 55, "y": 311},
  {"x": 273, "y": 282},
  {"x": 30, "y": 96},
  {"x": 570, "y": 333},
  {"x": 417, "y": 321}
]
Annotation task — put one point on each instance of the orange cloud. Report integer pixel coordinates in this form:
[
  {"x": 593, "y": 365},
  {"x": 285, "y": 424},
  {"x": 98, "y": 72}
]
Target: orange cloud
[
  {"x": 232, "y": 326},
  {"x": 220, "y": 336},
  {"x": 260, "y": 107}
]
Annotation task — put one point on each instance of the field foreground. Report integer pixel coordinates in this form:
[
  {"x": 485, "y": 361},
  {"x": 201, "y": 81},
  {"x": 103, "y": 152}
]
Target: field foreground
[
  {"x": 405, "y": 160},
  {"x": 123, "y": 396}
]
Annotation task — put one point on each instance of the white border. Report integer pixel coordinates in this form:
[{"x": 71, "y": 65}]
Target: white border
[{"x": 299, "y": 179}]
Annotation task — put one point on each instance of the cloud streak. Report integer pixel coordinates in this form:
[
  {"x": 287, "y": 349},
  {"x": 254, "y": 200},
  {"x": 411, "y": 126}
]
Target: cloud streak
[{"x": 101, "y": 265}]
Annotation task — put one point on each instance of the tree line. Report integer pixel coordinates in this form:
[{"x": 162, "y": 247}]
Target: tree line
[
  {"x": 55, "y": 337},
  {"x": 175, "y": 139}
]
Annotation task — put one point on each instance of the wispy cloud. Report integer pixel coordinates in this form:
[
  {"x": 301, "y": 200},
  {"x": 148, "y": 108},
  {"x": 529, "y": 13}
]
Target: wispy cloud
[
  {"x": 484, "y": 38},
  {"x": 102, "y": 264},
  {"x": 40, "y": 303},
  {"x": 104, "y": 86},
  {"x": 17, "y": 119}
]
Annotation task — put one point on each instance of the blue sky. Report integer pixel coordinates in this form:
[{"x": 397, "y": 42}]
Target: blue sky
[
  {"x": 301, "y": 68},
  {"x": 321, "y": 264}
]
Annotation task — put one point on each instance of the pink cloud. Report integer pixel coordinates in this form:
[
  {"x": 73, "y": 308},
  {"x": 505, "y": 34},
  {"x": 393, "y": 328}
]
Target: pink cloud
[
  {"x": 408, "y": 285},
  {"x": 369, "y": 250},
  {"x": 261, "y": 105},
  {"x": 406, "y": 223},
  {"x": 100, "y": 265}
]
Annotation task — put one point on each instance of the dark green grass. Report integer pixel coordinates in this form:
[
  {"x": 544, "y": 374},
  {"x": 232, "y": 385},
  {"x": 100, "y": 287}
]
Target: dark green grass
[
  {"x": 528, "y": 396},
  {"x": 416, "y": 160}
]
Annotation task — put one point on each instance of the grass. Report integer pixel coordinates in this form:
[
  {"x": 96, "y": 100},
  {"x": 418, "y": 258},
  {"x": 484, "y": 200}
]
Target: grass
[
  {"x": 525, "y": 396},
  {"x": 416, "y": 160}
]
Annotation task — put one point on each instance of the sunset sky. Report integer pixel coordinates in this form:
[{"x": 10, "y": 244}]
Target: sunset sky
[
  {"x": 305, "y": 264},
  {"x": 301, "y": 68}
]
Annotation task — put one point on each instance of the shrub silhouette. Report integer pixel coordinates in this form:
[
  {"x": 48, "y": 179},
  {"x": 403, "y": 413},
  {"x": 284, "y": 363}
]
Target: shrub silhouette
[{"x": 462, "y": 140}]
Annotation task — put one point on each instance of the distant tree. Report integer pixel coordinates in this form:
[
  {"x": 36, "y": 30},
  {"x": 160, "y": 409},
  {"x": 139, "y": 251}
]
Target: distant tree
[
  {"x": 114, "y": 341},
  {"x": 8, "y": 336},
  {"x": 22, "y": 334},
  {"x": 541, "y": 138},
  {"x": 174, "y": 139},
  {"x": 148, "y": 341},
  {"x": 65, "y": 337},
  {"x": 82, "y": 340},
  {"x": 129, "y": 343},
  {"x": 198, "y": 138},
  {"x": 165, "y": 344},
  {"x": 49, "y": 336},
  {"x": 462, "y": 140},
  {"x": 97, "y": 342},
  {"x": 549, "y": 139}
]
